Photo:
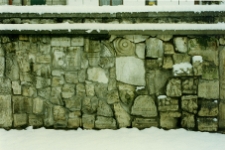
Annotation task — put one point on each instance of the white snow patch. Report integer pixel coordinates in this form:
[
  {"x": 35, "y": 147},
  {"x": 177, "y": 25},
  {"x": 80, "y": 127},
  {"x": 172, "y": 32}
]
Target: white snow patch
[
  {"x": 197, "y": 58},
  {"x": 215, "y": 101},
  {"x": 215, "y": 119},
  {"x": 139, "y": 88},
  {"x": 182, "y": 68},
  {"x": 162, "y": 97}
]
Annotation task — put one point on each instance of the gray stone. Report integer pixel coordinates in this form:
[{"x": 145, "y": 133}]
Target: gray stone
[
  {"x": 107, "y": 49},
  {"x": 35, "y": 121},
  {"x": 5, "y": 111},
  {"x": 45, "y": 48},
  {"x": 26, "y": 77},
  {"x": 154, "y": 48},
  {"x": 97, "y": 75},
  {"x": 12, "y": 70},
  {"x": 112, "y": 84},
  {"x": 59, "y": 113},
  {"x": 181, "y": 58},
  {"x": 73, "y": 103},
  {"x": 167, "y": 104},
  {"x": 16, "y": 86},
  {"x": 73, "y": 58},
  {"x": 43, "y": 59},
  {"x": 93, "y": 59},
  {"x": 180, "y": 44},
  {"x": 140, "y": 50},
  {"x": 126, "y": 93},
  {"x": 136, "y": 38},
  {"x": 207, "y": 124},
  {"x": 157, "y": 80},
  {"x": 89, "y": 105},
  {"x": 101, "y": 90},
  {"x": 88, "y": 121},
  {"x": 77, "y": 41},
  {"x": 130, "y": 70},
  {"x": 208, "y": 108},
  {"x": 104, "y": 109},
  {"x": 182, "y": 69},
  {"x": 42, "y": 82},
  {"x": 190, "y": 86},
  {"x": 165, "y": 37},
  {"x": 210, "y": 71},
  {"x": 81, "y": 75},
  {"x": 84, "y": 61},
  {"x": 142, "y": 123},
  {"x": 90, "y": 89},
  {"x": 60, "y": 41},
  {"x": 71, "y": 77},
  {"x": 68, "y": 90},
  {"x": 105, "y": 123},
  {"x": 222, "y": 114},
  {"x": 188, "y": 120},
  {"x": 38, "y": 105},
  {"x": 19, "y": 120},
  {"x": 124, "y": 47},
  {"x": 29, "y": 91},
  {"x": 144, "y": 105},
  {"x": 113, "y": 97},
  {"x": 173, "y": 88},
  {"x": 42, "y": 70},
  {"x": 74, "y": 123},
  {"x": 167, "y": 62},
  {"x": 169, "y": 120},
  {"x": 80, "y": 90},
  {"x": 5, "y": 86},
  {"x": 122, "y": 117},
  {"x": 58, "y": 81},
  {"x": 208, "y": 89},
  {"x": 189, "y": 103},
  {"x": 56, "y": 96}
]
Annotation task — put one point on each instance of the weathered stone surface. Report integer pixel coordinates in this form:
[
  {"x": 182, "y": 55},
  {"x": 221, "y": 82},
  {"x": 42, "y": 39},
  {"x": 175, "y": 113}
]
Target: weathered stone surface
[
  {"x": 60, "y": 41},
  {"x": 43, "y": 59},
  {"x": 164, "y": 37},
  {"x": 208, "y": 89},
  {"x": 59, "y": 113},
  {"x": 142, "y": 123},
  {"x": 68, "y": 90},
  {"x": 144, "y": 105},
  {"x": 5, "y": 111},
  {"x": 154, "y": 48},
  {"x": 122, "y": 116},
  {"x": 208, "y": 108},
  {"x": 73, "y": 58},
  {"x": 222, "y": 41},
  {"x": 97, "y": 74},
  {"x": 156, "y": 81},
  {"x": 167, "y": 62},
  {"x": 190, "y": 86},
  {"x": 207, "y": 124},
  {"x": 167, "y": 104},
  {"x": 181, "y": 58},
  {"x": 45, "y": 48},
  {"x": 130, "y": 70},
  {"x": 73, "y": 103},
  {"x": 106, "y": 62},
  {"x": 19, "y": 120},
  {"x": 71, "y": 77},
  {"x": 107, "y": 49},
  {"x": 124, "y": 47},
  {"x": 188, "y": 120},
  {"x": 113, "y": 97},
  {"x": 81, "y": 75},
  {"x": 89, "y": 105},
  {"x": 90, "y": 89},
  {"x": 2, "y": 66},
  {"x": 222, "y": 73},
  {"x": 56, "y": 96},
  {"x": 88, "y": 121},
  {"x": 93, "y": 59},
  {"x": 74, "y": 123},
  {"x": 28, "y": 104},
  {"x": 35, "y": 121},
  {"x": 94, "y": 46},
  {"x": 77, "y": 41},
  {"x": 26, "y": 77},
  {"x": 104, "y": 109},
  {"x": 222, "y": 114},
  {"x": 58, "y": 81},
  {"x": 59, "y": 60},
  {"x": 140, "y": 50},
  {"x": 16, "y": 86},
  {"x": 5, "y": 86},
  {"x": 189, "y": 103},
  {"x": 136, "y": 38},
  {"x": 80, "y": 90},
  {"x": 197, "y": 65},
  {"x": 173, "y": 88},
  {"x": 169, "y": 120},
  {"x": 84, "y": 61},
  {"x": 180, "y": 44},
  {"x": 182, "y": 69},
  {"x": 112, "y": 84},
  {"x": 42, "y": 82},
  {"x": 126, "y": 93},
  {"x": 18, "y": 104},
  {"x": 58, "y": 72},
  {"x": 209, "y": 71},
  {"x": 48, "y": 116},
  {"x": 38, "y": 105},
  {"x": 29, "y": 91},
  {"x": 42, "y": 70},
  {"x": 105, "y": 123},
  {"x": 153, "y": 63},
  {"x": 12, "y": 70}
]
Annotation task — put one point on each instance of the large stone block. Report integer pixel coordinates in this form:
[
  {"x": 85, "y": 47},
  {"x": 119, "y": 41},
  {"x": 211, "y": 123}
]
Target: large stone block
[
  {"x": 104, "y": 109},
  {"x": 167, "y": 104},
  {"x": 68, "y": 90},
  {"x": 88, "y": 121},
  {"x": 73, "y": 103},
  {"x": 59, "y": 113},
  {"x": 182, "y": 69},
  {"x": 105, "y": 123},
  {"x": 188, "y": 120},
  {"x": 97, "y": 74},
  {"x": 18, "y": 104},
  {"x": 16, "y": 86},
  {"x": 60, "y": 41},
  {"x": 5, "y": 86},
  {"x": 190, "y": 86},
  {"x": 19, "y": 120},
  {"x": 197, "y": 65},
  {"x": 122, "y": 116},
  {"x": 38, "y": 105},
  {"x": 77, "y": 41},
  {"x": 208, "y": 89},
  {"x": 29, "y": 91},
  {"x": 113, "y": 97},
  {"x": 5, "y": 111},
  {"x": 74, "y": 123},
  {"x": 71, "y": 77},
  {"x": 180, "y": 44},
  {"x": 35, "y": 121},
  {"x": 168, "y": 48},
  {"x": 130, "y": 70},
  {"x": 144, "y": 105},
  {"x": 89, "y": 105},
  {"x": 167, "y": 62},
  {"x": 181, "y": 58},
  {"x": 189, "y": 103},
  {"x": 173, "y": 88},
  {"x": 208, "y": 108},
  {"x": 140, "y": 50},
  {"x": 124, "y": 47},
  {"x": 169, "y": 120},
  {"x": 154, "y": 48},
  {"x": 93, "y": 59},
  {"x": 207, "y": 124},
  {"x": 142, "y": 123}
]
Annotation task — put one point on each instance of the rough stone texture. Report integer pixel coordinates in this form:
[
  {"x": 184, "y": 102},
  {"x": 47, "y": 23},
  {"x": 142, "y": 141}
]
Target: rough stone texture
[
  {"x": 180, "y": 44},
  {"x": 126, "y": 94},
  {"x": 104, "y": 109},
  {"x": 130, "y": 70},
  {"x": 144, "y": 105},
  {"x": 188, "y": 120},
  {"x": 208, "y": 89},
  {"x": 38, "y": 105},
  {"x": 124, "y": 47},
  {"x": 113, "y": 97},
  {"x": 167, "y": 62},
  {"x": 165, "y": 37},
  {"x": 105, "y": 123},
  {"x": 210, "y": 71},
  {"x": 222, "y": 73},
  {"x": 5, "y": 111},
  {"x": 181, "y": 58},
  {"x": 142, "y": 123},
  {"x": 60, "y": 41},
  {"x": 74, "y": 122},
  {"x": 189, "y": 103},
  {"x": 154, "y": 48},
  {"x": 169, "y": 120},
  {"x": 173, "y": 88},
  {"x": 222, "y": 114},
  {"x": 153, "y": 63},
  {"x": 207, "y": 124},
  {"x": 140, "y": 50},
  {"x": 197, "y": 67},
  {"x": 19, "y": 120},
  {"x": 208, "y": 108},
  {"x": 190, "y": 86},
  {"x": 77, "y": 41},
  {"x": 68, "y": 90},
  {"x": 73, "y": 103},
  {"x": 88, "y": 121},
  {"x": 97, "y": 75},
  {"x": 89, "y": 105},
  {"x": 122, "y": 116},
  {"x": 167, "y": 104},
  {"x": 168, "y": 48},
  {"x": 35, "y": 121},
  {"x": 136, "y": 38}
]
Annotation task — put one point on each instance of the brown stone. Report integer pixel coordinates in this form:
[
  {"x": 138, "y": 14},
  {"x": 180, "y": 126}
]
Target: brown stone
[
  {"x": 167, "y": 62},
  {"x": 104, "y": 109},
  {"x": 89, "y": 105},
  {"x": 74, "y": 123},
  {"x": 38, "y": 105}
]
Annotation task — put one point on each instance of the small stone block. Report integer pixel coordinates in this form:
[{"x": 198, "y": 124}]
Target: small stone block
[{"x": 207, "y": 124}]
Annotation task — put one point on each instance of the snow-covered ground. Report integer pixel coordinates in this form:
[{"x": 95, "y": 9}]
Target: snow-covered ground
[{"x": 122, "y": 139}]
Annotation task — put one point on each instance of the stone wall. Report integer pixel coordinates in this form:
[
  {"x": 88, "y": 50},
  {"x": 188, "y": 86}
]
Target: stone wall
[{"x": 110, "y": 82}]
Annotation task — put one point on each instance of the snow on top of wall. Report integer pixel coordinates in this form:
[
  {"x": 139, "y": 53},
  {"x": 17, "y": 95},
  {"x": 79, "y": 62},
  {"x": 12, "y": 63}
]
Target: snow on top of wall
[
  {"x": 108, "y": 9},
  {"x": 181, "y": 68},
  {"x": 89, "y": 27}
]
